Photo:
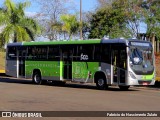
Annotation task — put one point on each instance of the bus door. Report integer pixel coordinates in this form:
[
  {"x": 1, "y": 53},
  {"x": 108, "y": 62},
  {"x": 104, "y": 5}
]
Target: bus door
[
  {"x": 67, "y": 63},
  {"x": 21, "y": 54},
  {"x": 119, "y": 64}
]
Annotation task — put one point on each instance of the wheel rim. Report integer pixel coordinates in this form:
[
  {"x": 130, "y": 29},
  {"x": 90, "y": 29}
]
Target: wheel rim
[
  {"x": 37, "y": 78},
  {"x": 101, "y": 82}
]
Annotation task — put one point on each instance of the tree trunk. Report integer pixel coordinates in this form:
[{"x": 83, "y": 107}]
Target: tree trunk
[
  {"x": 153, "y": 42},
  {"x": 15, "y": 37},
  {"x": 157, "y": 46}
]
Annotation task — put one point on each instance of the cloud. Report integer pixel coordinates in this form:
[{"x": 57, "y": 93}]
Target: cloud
[{"x": 31, "y": 14}]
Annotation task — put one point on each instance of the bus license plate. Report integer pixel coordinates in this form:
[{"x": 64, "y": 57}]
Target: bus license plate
[{"x": 145, "y": 83}]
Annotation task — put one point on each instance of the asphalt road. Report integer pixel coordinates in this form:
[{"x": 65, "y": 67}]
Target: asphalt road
[{"x": 22, "y": 95}]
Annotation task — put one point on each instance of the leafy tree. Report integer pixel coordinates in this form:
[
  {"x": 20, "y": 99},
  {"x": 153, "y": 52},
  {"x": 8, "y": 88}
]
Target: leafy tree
[
  {"x": 152, "y": 17},
  {"x": 17, "y": 26},
  {"x": 109, "y": 20},
  {"x": 70, "y": 24},
  {"x": 56, "y": 29}
]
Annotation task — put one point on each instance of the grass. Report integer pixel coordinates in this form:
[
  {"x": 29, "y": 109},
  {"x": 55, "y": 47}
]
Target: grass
[{"x": 2, "y": 60}]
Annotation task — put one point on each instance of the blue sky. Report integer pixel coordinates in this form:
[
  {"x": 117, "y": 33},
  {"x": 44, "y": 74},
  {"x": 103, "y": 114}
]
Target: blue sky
[{"x": 87, "y": 5}]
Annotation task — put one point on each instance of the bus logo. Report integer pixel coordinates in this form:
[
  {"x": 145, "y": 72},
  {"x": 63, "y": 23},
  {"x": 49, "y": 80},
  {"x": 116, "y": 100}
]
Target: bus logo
[{"x": 84, "y": 57}]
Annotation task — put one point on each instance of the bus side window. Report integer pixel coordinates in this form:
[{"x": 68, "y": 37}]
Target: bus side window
[
  {"x": 97, "y": 53},
  {"x": 12, "y": 53},
  {"x": 106, "y": 54},
  {"x": 75, "y": 51},
  {"x": 85, "y": 52},
  {"x": 123, "y": 58},
  {"x": 31, "y": 53},
  {"x": 41, "y": 52},
  {"x": 53, "y": 53}
]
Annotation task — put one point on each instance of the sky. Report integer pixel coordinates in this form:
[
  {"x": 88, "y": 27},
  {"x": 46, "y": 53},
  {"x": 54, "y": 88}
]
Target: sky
[{"x": 87, "y": 5}]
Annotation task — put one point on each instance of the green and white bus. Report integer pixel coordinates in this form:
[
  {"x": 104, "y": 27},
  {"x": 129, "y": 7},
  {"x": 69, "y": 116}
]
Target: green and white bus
[{"x": 105, "y": 62}]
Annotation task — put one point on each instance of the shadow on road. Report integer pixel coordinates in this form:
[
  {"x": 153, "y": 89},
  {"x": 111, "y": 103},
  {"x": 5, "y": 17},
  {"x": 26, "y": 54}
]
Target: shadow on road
[
  {"x": 14, "y": 80},
  {"x": 67, "y": 85}
]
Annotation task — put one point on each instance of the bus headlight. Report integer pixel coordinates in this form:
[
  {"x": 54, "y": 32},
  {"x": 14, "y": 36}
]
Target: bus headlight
[{"x": 132, "y": 75}]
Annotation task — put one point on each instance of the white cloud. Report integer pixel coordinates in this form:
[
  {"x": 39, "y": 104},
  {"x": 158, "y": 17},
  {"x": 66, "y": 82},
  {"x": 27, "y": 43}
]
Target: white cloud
[{"x": 31, "y": 14}]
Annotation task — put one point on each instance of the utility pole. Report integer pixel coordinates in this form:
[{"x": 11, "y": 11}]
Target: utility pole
[{"x": 81, "y": 20}]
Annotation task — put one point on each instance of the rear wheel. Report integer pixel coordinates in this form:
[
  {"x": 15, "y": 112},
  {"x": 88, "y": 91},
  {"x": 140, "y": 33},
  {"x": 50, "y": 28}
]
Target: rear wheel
[
  {"x": 101, "y": 84},
  {"x": 37, "y": 78},
  {"x": 124, "y": 87}
]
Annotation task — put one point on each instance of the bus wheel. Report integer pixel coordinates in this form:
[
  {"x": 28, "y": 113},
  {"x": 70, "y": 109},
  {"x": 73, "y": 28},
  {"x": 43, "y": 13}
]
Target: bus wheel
[
  {"x": 101, "y": 84},
  {"x": 124, "y": 87},
  {"x": 37, "y": 78}
]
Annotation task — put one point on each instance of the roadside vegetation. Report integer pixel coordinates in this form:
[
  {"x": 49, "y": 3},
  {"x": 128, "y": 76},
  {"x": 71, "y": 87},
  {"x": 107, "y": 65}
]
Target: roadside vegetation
[{"x": 2, "y": 60}]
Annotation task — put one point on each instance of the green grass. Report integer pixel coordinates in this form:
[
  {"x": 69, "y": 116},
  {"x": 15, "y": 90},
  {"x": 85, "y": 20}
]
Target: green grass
[{"x": 2, "y": 60}]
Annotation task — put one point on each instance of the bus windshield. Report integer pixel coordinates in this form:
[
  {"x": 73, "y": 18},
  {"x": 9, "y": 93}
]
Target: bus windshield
[{"x": 141, "y": 60}]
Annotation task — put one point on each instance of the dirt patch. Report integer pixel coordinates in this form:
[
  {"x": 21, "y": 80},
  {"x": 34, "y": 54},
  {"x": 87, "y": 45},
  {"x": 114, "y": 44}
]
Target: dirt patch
[{"x": 157, "y": 57}]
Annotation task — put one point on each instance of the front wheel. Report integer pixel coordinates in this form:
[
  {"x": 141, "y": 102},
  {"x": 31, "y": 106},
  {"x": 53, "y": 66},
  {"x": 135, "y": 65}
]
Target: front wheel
[
  {"x": 101, "y": 84},
  {"x": 124, "y": 87}
]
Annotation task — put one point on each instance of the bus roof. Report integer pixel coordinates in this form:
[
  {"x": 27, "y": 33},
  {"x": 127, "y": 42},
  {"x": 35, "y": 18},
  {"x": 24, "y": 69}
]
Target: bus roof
[
  {"x": 63, "y": 42},
  {"x": 97, "y": 41}
]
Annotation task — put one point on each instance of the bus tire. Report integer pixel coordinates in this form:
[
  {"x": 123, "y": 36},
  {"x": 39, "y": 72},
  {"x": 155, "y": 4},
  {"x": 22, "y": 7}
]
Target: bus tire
[
  {"x": 37, "y": 78},
  {"x": 101, "y": 84},
  {"x": 124, "y": 87}
]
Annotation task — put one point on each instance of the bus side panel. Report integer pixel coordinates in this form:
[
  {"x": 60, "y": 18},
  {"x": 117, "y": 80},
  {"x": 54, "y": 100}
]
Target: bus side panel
[
  {"x": 11, "y": 68},
  {"x": 93, "y": 67},
  {"x": 84, "y": 71},
  {"x": 107, "y": 68},
  {"x": 50, "y": 70}
]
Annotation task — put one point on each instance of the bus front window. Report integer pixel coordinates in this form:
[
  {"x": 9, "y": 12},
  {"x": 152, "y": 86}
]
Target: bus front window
[
  {"x": 136, "y": 57},
  {"x": 141, "y": 60}
]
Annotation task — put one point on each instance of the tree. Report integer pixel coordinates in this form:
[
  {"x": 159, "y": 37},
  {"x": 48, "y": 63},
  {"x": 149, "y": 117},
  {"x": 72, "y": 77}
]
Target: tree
[
  {"x": 109, "y": 20},
  {"x": 70, "y": 24},
  {"x": 17, "y": 26},
  {"x": 152, "y": 16},
  {"x": 152, "y": 20},
  {"x": 134, "y": 15},
  {"x": 56, "y": 29},
  {"x": 130, "y": 9},
  {"x": 50, "y": 13}
]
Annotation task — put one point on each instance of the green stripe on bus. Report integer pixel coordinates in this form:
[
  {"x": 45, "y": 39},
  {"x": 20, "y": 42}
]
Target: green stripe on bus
[
  {"x": 63, "y": 42},
  {"x": 61, "y": 69},
  {"x": 148, "y": 77}
]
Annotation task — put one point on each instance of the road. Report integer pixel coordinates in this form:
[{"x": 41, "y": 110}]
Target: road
[{"x": 22, "y": 95}]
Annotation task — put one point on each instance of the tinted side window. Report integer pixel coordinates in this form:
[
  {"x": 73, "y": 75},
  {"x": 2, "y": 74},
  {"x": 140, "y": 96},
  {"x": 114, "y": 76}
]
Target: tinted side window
[
  {"x": 97, "y": 53},
  {"x": 85, "y": 52},
  {"x": 12, "y": 53},
  {"x": 53, "y": 53},
  {"x": 41, "y": 52},
  {"x": 37, "y": 53},
  {"x": 106, "y": 54},
  {"x": 31, "y": 54}
]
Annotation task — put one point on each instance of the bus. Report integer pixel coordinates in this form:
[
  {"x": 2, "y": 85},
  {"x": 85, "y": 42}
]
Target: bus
[{"x": 104, "y": 62}]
